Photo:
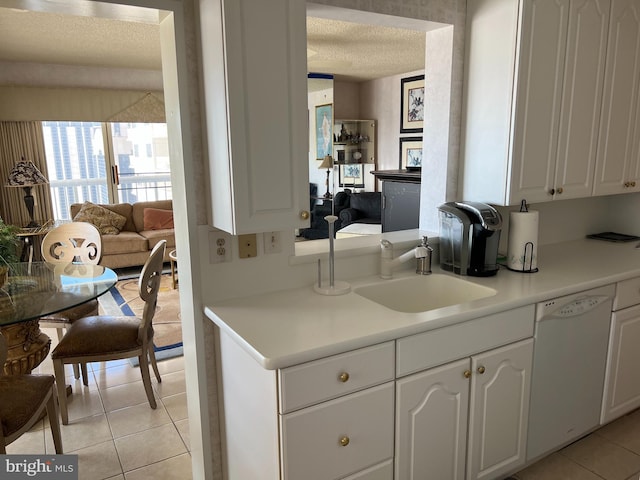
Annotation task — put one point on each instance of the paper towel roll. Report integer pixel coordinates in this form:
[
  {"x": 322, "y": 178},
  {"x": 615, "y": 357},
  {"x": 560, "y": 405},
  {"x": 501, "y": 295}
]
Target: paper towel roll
[{"x": 522, "y": 249}]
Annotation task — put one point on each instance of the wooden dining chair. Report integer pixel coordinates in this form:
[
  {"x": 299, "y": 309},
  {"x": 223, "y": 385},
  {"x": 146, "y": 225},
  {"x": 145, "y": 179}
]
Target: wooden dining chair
[
  {"x": 103, "y": 338},
  {"x": 23, "y": 398},
  {"x": 72, "y": 242}
]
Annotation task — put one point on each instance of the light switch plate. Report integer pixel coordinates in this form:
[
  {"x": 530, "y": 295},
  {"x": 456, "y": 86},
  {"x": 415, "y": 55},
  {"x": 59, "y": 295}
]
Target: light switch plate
[{"x": 247, "y": 246}]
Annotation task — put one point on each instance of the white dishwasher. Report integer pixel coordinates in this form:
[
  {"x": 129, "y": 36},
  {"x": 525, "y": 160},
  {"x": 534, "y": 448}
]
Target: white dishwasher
[{"x": 569, "y": 359}]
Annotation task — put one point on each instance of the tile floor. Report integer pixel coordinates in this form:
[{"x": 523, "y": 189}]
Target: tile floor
[
  {"x": 610, "y": 453},
  {"x": 115, "y": 433}
]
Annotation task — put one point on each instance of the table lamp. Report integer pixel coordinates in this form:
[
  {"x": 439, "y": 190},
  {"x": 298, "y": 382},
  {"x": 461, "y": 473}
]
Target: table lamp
[
  {"x": 327, "y": 162},
  {"x": 26, "y": 175}
]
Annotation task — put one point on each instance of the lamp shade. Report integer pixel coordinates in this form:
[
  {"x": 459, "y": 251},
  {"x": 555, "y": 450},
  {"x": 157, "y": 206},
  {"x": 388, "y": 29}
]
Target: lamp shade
[
  {"x": 327, "y": 162},
  {"x": 25, "y": 174}
]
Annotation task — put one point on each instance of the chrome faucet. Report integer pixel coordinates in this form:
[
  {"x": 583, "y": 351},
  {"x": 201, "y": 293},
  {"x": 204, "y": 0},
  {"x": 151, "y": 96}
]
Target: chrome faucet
[{"x": 422, "y": 253}]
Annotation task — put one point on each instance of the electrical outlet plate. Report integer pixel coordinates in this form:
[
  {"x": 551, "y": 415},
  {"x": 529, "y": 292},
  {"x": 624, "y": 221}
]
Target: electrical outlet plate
[
  {"x": 271, "y": 241},
  {"x": 247, "y": 245},
  {"x": 219, "y": 246}
]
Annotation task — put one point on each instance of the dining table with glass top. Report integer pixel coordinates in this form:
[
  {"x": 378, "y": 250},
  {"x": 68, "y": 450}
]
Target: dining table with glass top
[{"x": 33, "y": 290}]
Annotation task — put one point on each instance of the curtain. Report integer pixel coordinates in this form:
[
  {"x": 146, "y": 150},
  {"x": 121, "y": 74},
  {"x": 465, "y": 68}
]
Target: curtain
[{"x": 18, "y": 140}]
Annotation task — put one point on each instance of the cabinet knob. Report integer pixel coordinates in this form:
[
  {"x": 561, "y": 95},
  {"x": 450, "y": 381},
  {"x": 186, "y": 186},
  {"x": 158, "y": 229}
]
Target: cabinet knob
[
  {"x": 552, "y": 191},
  {"x": 559, "y": 190},
  {"x": 467, "y": 374},
  {"x": 344, "y": 441},
  {"x": 633, "y": 184},
  {"x": 304, "y": 215},
  {"x": 627, "y": 184},
  {"x": 343, "y": 377},
  {"x": 481, "y": 369}
]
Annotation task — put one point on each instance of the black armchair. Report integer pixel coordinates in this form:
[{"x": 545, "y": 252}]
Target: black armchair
[
  {"x": 319, "y": 226},
  {"x": 364, "y": 207}
]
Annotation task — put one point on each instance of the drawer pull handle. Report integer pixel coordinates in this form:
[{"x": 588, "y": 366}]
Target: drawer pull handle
[
  {"x": 344, "y": 441},
  {"x": 481, "y": 370},
  {"x": 344, "y": 377},
  {"x": 467, "y": 374}
]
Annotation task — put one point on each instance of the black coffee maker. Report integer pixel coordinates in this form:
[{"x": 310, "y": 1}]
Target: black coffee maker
[{"x": 469, "y": 238}]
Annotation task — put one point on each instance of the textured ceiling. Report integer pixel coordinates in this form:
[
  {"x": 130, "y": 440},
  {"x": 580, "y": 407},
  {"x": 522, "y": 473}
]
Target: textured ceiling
[{"x": 348, "y": 50}]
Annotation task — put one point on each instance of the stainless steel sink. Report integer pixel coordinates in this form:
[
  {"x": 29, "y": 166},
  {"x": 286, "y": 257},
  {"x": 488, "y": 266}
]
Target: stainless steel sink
[{"x": 424, "y": 292}]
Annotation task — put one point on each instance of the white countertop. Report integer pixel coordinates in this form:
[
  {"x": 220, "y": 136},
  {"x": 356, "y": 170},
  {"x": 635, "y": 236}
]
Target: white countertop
[{"x": 293, "y": 326}]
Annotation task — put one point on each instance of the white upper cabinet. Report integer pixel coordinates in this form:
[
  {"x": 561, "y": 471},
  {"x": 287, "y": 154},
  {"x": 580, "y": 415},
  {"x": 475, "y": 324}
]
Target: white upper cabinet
[
  {"x": 618, "y": 161},
  {"x": 533, "y": 94},
  {"x": 255, "y": 91}
]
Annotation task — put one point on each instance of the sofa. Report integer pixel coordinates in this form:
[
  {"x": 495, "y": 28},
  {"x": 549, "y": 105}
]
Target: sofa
[
  {"x": 363, "y": 207},
  {"x": 144, "y": 225}
]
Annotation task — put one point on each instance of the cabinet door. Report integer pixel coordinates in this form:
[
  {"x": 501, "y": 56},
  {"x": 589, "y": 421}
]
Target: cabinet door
[
  {"x": 622, "y": 388},
  {"x": 431, "y": 423},
  {"x": 618, "y": 164},
  {"x": 538, "y": 98},
  {"x": 499, "y": 410},
  {"x": 256, "y": 113},
  {"x": 400, "y": 206},
  {"x": 581, "y": 98}
]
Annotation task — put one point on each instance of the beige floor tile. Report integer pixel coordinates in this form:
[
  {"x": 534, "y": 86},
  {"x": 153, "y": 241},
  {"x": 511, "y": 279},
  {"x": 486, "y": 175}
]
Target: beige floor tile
[
  {"x": 183, "y": 430},
  {"x": 624, "y": 431},
  {"x": 176, "y": 406},
  {"x": 122, "y": 396},
  {"x": 175, "y": 468},
  {"x": 84, "y": 432},
  {"x": 83, "y": 402},
  {"x": 556, "y": 467},
  {"x": 172, "y": 384},
  {"x": 117, "y": 477},
  {"x": 117, "y": 375},
  {"x": 30, "y": 443},
  {"x": 97, "y": 366},
  {"x": 98, "y": 461},
  {"x": 149, "y": 447},
  {"x": 169, "y": 365},
  {"x": 606, "y": 459},
  {"x": 136, "y": 419}
]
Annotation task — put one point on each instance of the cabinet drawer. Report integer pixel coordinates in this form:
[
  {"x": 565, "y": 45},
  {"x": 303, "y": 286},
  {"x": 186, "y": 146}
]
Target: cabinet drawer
[
  {"x": 443, "y": 345},
  {"x": 312, "y": 437},
  {"x": 327, "y": 378},
  {"x": 627, "y": 293}
]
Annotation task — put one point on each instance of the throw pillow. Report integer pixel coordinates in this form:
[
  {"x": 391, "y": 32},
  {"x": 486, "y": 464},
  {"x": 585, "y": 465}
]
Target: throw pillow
[
  {"x": 106, "y": 221},
  {"x": 157, "y": 219}
]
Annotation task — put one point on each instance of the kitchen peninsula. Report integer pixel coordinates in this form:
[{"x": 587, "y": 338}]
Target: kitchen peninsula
[{"x": 308, "y": 378}]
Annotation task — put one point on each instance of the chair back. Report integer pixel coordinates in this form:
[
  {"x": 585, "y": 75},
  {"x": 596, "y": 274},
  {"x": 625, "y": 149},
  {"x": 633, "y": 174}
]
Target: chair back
[
  {"x": 149, "y": 284},
  {"x": 69, "y": 242}
]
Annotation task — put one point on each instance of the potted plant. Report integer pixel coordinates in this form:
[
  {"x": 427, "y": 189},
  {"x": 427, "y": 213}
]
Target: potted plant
[{"x": 8, "y": 249}]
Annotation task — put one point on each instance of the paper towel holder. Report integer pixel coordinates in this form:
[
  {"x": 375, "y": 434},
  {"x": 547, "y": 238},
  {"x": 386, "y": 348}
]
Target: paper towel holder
[{"x": 528, "y": 250}]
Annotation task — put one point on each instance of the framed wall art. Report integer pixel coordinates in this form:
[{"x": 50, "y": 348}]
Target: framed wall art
[
  {"x": 324, "y": 130},
  {"x": 412, "y": 104},
  {"x": 351, "y": 175},
  {"x": 411, "y": 153}
]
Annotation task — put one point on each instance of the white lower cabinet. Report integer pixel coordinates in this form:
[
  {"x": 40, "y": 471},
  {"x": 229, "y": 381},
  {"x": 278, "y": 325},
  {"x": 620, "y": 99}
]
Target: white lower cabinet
[
  {"x": 337, "y": 438},
  {"x": 469, "y": 412},
  {"x": 622, "y": 388}
]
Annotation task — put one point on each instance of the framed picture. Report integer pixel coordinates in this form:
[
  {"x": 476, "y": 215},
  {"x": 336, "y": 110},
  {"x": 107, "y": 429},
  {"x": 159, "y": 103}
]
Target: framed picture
[
  {"x": 351, "y": 175},
  {"x": 412, "y": 104},
  {"x": 411, "y": 153},
  {"x": 324, "y": 130}
]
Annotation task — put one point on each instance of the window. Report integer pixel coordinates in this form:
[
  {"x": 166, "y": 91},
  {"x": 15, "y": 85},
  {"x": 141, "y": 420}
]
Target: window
[{"x": 97, "y": 162}]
